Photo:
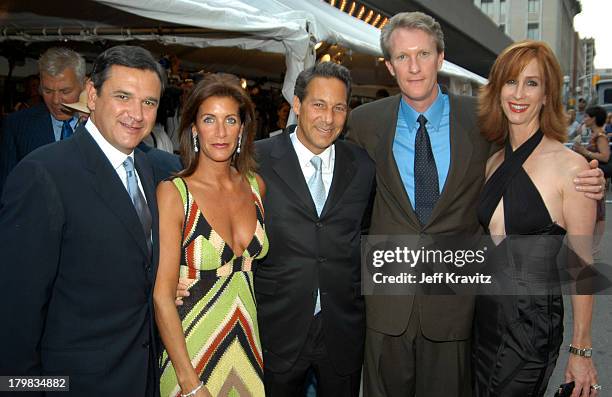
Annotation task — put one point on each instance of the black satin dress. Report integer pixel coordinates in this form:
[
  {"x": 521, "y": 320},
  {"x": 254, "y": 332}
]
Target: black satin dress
[{"x": 517, "y": 336}]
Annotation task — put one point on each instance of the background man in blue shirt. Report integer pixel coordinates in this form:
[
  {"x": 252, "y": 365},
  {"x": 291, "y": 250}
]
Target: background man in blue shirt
[{"x": 62, "y": 75}]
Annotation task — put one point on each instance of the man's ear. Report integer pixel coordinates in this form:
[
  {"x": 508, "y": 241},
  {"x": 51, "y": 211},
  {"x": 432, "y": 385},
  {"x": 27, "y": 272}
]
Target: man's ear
[
  {"x": 440, "y": 60},
  {"x": 92, "y": 95},
  {"x": 296, "y": 105},
  {"x": 390, "y": 68}
]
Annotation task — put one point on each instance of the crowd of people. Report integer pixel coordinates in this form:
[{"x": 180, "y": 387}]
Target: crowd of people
[{"x": 235, "y": 267}]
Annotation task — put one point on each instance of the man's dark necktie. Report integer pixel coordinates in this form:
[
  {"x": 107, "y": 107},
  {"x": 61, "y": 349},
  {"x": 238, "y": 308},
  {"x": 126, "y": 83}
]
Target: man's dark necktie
[
  {"x": 426, "y": 188},
  {"x": 66, "y": 129},
  {"x": 138, "y": 199}
]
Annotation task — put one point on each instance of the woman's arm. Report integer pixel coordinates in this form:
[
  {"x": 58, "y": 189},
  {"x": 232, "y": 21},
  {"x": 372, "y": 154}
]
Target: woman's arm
[
  {"x": 166, "y": 315},
  {"x": 603, "y": 145},
  {"x": 262, "y": 186},
  {"x": 603, "y": 154},
  {"x": 579, "y": 216}
]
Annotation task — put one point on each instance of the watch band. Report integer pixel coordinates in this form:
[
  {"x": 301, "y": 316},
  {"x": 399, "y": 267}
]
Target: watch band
[{"x": 583, "y": 352}]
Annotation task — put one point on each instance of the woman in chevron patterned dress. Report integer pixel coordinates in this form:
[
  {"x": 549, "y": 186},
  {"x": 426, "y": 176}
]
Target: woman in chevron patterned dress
[{"x": 212, "y": 230}]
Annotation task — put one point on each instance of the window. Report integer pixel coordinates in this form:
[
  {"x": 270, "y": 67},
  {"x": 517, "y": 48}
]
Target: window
[
  {"x": 533, "y": 31},
  {"x": 533, "y": 5},
  {"x": 502, "y": 27},
  {"x": 487, "y": 7},
  {"x": 503, "y": 8}
]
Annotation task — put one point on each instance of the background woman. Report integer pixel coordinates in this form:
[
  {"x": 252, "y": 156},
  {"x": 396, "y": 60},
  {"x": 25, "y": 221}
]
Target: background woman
[
  {"x": 598, "y": 149},
  {"x": 529, "y": 191},
  {"x": 212, "y": 230}
]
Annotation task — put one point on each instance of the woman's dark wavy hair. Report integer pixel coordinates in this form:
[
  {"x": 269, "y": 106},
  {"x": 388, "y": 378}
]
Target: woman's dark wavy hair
[{"x": 218, "y": 85}]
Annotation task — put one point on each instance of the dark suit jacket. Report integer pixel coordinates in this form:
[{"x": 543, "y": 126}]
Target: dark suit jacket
[
  {"x": 308, "y": 251},
  {"x": 22, "y": 132},
  {"x": 75, "y": 277},
  {"x": 372, "y": 126},
  {"x": 164, "y": 164}
]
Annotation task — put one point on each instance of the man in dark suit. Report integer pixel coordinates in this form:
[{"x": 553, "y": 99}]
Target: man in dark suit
[
  {"x": 309, "y": 303},
  {"x": 77, "y": 222},
  {"x": 164, "y": 164},
  {"x": 430, "y": 166},
  {"x": 62, "y": 74}
]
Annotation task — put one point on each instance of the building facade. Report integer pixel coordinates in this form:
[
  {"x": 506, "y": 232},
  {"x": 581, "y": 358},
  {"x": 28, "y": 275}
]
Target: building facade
[
  {"x": 547, "y": 20},
  {"x": 586, "y": 85}
]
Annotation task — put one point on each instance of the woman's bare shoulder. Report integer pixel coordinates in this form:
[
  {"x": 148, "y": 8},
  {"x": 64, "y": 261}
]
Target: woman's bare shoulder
[
  {"x": 494, "y": 161},
  {"x": 567, "y": 159}
]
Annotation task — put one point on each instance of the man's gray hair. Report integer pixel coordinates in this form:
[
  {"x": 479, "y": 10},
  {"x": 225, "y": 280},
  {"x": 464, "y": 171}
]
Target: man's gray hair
[
  {"x": 56, "y": 59},
  {"x": 411, "y": 20}
]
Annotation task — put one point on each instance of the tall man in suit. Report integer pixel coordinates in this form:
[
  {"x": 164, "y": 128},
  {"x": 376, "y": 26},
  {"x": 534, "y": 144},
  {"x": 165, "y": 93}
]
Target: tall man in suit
[
  {"x": 62, "y": 75},
  {"x": 77, "y": 221},
  {"x": 309, "y": 303},
  {"x": 430, "y": 166}
]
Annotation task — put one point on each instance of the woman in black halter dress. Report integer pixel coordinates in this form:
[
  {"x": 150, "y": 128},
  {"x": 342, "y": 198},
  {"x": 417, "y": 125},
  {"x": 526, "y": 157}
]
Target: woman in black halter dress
[{"x": 517, "y": 336}]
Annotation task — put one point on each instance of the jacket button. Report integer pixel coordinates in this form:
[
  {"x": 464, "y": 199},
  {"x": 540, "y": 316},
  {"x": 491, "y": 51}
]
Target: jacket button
[
  {"x": 145, "y": 345},
  {"x": 319, "y": 225},
  {"x": 321, "y": 259}
]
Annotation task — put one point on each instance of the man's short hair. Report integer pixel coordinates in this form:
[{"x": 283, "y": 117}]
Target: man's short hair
[
  {"x": 323, "y": 69},
  {"x": 57, "y": 59},
  {"x": 411, "y": 20},
  {"x": 128, "y": 56}
]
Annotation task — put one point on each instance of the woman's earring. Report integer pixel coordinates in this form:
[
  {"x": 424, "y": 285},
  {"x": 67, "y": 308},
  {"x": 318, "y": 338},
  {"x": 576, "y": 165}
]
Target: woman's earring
[
  {"x": 239, "y": 143},
  {"x": 195, "y": 143}
]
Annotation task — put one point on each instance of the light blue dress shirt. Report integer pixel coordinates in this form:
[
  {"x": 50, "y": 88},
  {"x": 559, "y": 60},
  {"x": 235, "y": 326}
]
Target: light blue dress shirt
[
  {"x": 438, "y": 127},
  {"x": 58, "y": 124}
]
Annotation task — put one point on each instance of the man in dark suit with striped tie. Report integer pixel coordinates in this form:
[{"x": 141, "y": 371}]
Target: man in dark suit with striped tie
[
  {"x": 62, "y": 74},
  {"x": 78, "y": 236}
]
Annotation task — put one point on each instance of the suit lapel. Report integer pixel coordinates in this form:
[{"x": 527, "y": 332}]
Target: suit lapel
[
  {"x": 148, "y": 185},
  {"x": 386, "y": 166},
  {"x": 461, "y": 153},
  {"x": 344, "y": 170},
  {"x": 287, "y": 167},
  {"x": 109, "y": 187},
  {"x": 45, "y": 134}
]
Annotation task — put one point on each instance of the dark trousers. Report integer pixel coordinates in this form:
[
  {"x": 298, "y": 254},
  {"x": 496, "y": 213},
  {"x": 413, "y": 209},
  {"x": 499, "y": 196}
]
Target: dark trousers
[
  {"x": 313, "y": 355},
  {"x": 411, "y": 365}
]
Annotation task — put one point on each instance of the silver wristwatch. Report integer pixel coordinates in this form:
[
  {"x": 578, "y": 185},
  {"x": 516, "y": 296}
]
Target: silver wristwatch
[{"x": 585, "y": 352}]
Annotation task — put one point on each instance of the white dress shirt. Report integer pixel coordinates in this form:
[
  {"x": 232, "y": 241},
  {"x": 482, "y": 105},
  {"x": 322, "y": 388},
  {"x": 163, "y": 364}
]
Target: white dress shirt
[{"x": 114, "y": 155}]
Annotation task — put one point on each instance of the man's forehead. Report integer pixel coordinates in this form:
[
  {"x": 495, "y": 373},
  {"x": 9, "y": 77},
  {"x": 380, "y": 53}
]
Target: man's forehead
[
  {"x": 122, "y": 74},
  {"x": 319, "y": 88},
  {"x": 414, "y": 35},
  {"x": 65, "y": 77}
]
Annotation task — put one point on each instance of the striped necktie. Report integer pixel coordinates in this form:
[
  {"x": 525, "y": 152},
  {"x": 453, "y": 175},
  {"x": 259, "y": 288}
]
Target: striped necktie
[{"x": 142, "y": 209}]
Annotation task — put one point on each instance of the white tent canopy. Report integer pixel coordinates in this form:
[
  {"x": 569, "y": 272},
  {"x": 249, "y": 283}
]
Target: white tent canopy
[{"x": 289, "y": 27}]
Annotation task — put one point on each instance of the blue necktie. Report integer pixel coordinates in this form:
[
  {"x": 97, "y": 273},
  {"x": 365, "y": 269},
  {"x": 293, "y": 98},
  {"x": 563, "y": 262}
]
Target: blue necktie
[
  {"x": 66, "y": 129},
  {"x": 317, "y": 191},
  {"x": 140, "y": 204},
  {"x": 315, "y": 184},
  {"x": 426, "y": 187}
]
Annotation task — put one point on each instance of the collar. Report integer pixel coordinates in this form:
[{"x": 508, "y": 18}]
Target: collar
[
  {"x": 114, "y": 155},
  {"x": 433, "y": 114},
  {"x": 304, "y": 155},
  {"x": 60, "y": 123}
]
